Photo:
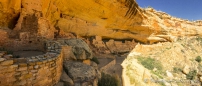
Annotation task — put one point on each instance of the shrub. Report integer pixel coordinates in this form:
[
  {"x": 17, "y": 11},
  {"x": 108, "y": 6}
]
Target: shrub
[
  {"x": 191, "y": 75},
  {"x": 199, "y": 39},
  {"x": 198, "y": 59},
  {"x": 108, "y": 80},
  {"x": 176, "y": 70},
  {"x": 130, "y": 74},
  {"x": 94, "y": 59},
  {"x": 150, "y": 63}
]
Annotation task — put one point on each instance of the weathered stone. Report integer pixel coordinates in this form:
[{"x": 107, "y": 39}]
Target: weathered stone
[
  {"x": 24, "y": 72},
  {"x": 33, "y": 57},
  {"x": 22, "y": 64},
  {"x": 169, "y": 74},
  {"x": 79, "y": 71},
  {"x": 85, "y": 84},
  {"x": 36, "y": 66},
  {"x": 39, "y": 62},
  {"x": 119, "y": 47},
  {"x": 93, "y": 64},
  {"x": 2, "y": 59},
  {"x": 14, "y": 66},
  {"x": 88, "y": 62},
  {"x": 60, "y": 84},
  {"x": 22, "y": 82},
  {"x": 34, "y": 71},
  {"x": 22, "y": 69},
  {"x": 17, "y": 74},
  {"x": 7, "y": 62},
  {"x": 8, "y": 56},
  {"x": 2, "y": 53},
  {"x": 30, "y": 67},
  {"x": 200, "y": 78},
  {"x": 25, "y": 76},
  {"x": 53, "y": 64},
  {"x": 31, "y": 63},
  {"x": 49, "y": 48},
  {"x": 77, "y": 84},
  {"x": 68, "y": 54},
  {"x": 79, "y": 49},
  {"x": 66, "y": 79},
  {"x": 186, "y": 69},
  {"x": 6, "y": 69}
]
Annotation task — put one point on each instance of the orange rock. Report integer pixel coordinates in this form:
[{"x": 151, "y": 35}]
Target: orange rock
[{"x": 86, "y": 62}]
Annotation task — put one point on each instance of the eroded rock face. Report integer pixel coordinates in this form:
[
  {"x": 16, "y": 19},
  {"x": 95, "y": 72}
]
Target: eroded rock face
[
  {"x": 66, "y": 79},
  {"x": 79, "y": 49},
  {"x": 117, "y": 19},
  {"x": 57, "y": 17},
  {"x": 9, "y": 12}
]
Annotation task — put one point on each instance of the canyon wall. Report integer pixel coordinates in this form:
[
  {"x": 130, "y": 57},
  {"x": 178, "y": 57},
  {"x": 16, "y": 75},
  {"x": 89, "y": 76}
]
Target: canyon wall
[
  {"x": 55, "y": 18},
  {"x": 117, "y": 19},
  {"x": 168, "y": 28}
]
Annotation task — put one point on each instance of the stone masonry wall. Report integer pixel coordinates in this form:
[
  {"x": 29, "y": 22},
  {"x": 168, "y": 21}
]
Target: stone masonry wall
[
  {"x": 110, "y": 64},
  {"x": 3, "y": 37},
  {"x": 112, "y": 46},
  {"x": 26, "y": 41},
  {"x": 42, "y": 70}
]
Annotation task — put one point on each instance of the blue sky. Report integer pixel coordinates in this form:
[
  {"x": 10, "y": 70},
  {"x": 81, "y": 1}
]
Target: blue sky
[{"x": 186, "y": 9}]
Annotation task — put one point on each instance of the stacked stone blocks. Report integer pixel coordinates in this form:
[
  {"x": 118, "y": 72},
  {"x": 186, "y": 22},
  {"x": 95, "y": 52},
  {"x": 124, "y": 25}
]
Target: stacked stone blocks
[{"x": 41, "y": 70}]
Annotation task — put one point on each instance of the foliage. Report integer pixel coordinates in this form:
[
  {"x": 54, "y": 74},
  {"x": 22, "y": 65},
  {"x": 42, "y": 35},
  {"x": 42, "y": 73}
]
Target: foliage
[
  {"x": 150, "y": 63},
  {"x": 191, "y": 75},
  {"x": 199, "y": 39},
  {"x": 176, "y": 69},
  {"x": 130, "y": 74},
  {"x": 94, "y": 59},
  {"x": 158, "y": 73},
  {"x": 108, "y": 80},
  {"x": 198, "y": 59}
]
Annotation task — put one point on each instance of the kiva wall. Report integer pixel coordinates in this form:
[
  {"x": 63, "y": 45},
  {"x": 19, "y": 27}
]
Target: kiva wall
[{"x": 42, "y": 70}]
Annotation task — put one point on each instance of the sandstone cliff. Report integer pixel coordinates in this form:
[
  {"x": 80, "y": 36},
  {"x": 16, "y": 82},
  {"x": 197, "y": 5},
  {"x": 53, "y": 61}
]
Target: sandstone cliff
[
  {"x": 117, "y": 19},
  {"x": 110, "y": 19}
]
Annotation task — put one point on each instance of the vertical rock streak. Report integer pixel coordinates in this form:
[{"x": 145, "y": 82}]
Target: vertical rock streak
[{"x": 132, "y": 5}]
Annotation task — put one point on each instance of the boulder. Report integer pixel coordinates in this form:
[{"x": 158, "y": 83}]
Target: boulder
[
  {"x": 79, "y": 49},
  {"x": 66, "y": 79},
  {"x": 169, "y": 74},
  {"x": 60, "y": 84},
  {"x": 80, "y": 72},
  {"x": 186, "y": 69}
]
